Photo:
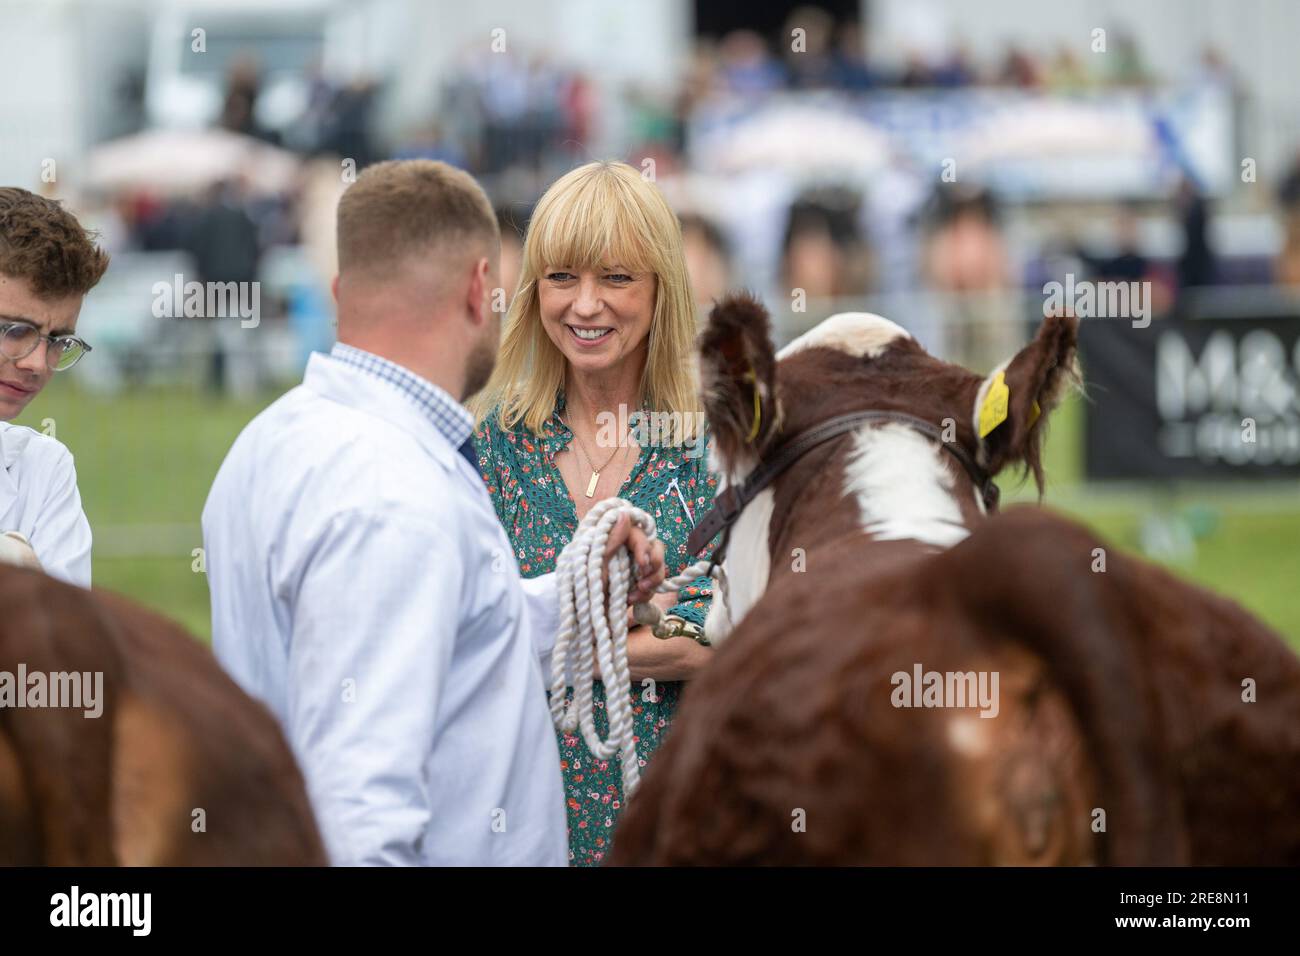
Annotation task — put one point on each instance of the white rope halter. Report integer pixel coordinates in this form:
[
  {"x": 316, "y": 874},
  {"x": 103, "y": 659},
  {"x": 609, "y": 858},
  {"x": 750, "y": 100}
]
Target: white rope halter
[{"x": 602, "y": 633}]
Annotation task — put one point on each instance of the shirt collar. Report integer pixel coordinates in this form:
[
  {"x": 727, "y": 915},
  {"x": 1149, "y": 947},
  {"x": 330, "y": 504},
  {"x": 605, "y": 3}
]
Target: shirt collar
[{"x": 449, "y": 416}]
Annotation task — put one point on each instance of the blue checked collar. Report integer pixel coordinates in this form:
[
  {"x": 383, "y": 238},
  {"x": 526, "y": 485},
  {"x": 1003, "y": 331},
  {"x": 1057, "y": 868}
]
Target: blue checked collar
[{"x": 448, "y": 415}]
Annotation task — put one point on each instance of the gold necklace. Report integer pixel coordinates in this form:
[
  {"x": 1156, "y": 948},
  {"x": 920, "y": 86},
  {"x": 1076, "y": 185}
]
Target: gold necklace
[{"x": 595, "y": 472}]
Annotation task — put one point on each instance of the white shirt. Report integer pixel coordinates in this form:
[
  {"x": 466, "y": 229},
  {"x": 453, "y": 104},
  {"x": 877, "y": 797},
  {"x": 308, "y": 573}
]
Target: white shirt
[
  {"x": 39, "y": 499},
  {"x": 363, "y": 588}
]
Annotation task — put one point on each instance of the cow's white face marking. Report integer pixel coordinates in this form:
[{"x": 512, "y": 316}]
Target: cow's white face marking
[
  {"x": 903, "y": 487},
  {"x": 860, "y": 334},
  {"x": 968, "y": 735},
  {"x": 748, "y": 563}
]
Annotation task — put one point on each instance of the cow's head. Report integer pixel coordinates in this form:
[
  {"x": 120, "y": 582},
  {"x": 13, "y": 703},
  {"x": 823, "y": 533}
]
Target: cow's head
[{"x": 890, "y": 481}]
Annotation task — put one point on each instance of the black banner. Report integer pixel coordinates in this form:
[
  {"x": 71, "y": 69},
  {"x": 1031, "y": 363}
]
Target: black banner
[
  {"x": 1204, "y": 397},
  {"x": 339, "y": 909}
]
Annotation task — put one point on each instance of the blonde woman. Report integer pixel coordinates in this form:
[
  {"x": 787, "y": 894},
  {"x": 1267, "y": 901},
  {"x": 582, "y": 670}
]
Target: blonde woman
[{"x": 594, "y": 396}]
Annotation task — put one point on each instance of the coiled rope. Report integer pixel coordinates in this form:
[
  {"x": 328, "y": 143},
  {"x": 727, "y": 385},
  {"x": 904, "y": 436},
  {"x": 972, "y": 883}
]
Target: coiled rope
[{"x": 591, "y": 630}]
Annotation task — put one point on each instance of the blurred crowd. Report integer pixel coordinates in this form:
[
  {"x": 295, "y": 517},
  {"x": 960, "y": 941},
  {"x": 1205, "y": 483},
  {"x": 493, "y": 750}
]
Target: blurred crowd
[
  {"x": 518, "y": 120},
  {"x": 833, "y": 55}
]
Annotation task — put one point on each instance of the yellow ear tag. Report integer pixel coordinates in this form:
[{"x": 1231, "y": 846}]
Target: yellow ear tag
[
  {"x": 994, "y": 410},
  {"x": 1033, "y": 414}
]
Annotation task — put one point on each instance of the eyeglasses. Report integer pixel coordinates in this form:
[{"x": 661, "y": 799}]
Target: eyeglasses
[{"x": 19, "y": 340}]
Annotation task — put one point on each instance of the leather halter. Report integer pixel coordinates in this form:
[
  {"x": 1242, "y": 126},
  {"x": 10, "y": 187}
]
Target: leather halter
[{"x": 727, "y": 507}]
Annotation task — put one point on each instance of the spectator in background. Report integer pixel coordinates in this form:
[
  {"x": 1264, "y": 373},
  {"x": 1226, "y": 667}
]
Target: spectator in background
[
  {"x": 429, "y": 142},
  {"x": 853, "y": 73},
  {"x": 957, "y": 69},
  {"x": 307, "y": 131},
  {"x": 812, "y": 66},
  {"x": 577, "y": 107},
  {"x": 916, "y": 72},
  {"x": 224, "y": 243},
  {"x": 239, "y": 110},
  {"x": 655, "y": 128},
  {"x": 967, "y": 258},
  {"x": 745, "y": 67},
  {"x": 347, "y": 127},
  {"x": 1287, "y": 266},
  {"x": 823, "y": 253},
  {"x": 157, "y": 224},
  {"x": 1125, "y": 60},
  {"x": 502, "y": 87},
  {"x": 1020, "y": 69},
  {"x": 1196, "y": 264},
  {"x": 708, "y": 259},
  {"x": 701, "y": 79},
  {"x": 1127, "y": 264},
  {"x": 966, "y": 251},
  {"x": 1066, "y": 73},
  {"x": 514, "y": 114},
  {"x": 512, "y": 248}
]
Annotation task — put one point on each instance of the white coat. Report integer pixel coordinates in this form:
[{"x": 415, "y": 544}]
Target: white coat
[
  {"x": 363, "y": 588},
  {"x": 39, "y": 500}
]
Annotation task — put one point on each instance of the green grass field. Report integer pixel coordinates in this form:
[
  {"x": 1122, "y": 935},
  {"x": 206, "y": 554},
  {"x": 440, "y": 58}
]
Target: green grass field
[{"x": 145, "y": 461}]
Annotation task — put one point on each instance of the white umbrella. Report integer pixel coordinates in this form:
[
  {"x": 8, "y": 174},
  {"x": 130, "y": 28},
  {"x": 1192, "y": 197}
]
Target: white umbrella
[
  {"x": 798, "y": 139},
  {"x": 186, "y": 161}
]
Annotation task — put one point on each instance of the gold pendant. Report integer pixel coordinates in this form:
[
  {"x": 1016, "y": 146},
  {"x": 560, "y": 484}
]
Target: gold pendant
[{"x": 591, "y": 485}]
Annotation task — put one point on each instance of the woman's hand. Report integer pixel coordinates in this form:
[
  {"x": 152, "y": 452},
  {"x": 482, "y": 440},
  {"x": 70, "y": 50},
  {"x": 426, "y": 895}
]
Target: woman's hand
[
  {"x": 673, "y": 658},
  {"x": 647, "y": 556},
  {"x": 665, "y": 602}
]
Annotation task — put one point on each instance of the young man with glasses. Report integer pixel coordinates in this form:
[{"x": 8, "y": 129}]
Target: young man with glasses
[{"x": 48, "y": 263}]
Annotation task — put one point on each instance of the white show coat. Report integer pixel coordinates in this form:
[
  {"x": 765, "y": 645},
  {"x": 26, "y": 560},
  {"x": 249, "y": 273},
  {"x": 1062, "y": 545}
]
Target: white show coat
[
  {"x": 39, "y": 499},
  {"x": 363, "y": 588}
]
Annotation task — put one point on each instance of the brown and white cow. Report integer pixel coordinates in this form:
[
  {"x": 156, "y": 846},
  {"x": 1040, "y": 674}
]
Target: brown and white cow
[
  {"x": 1122, "y": 735},
  {"x": 180, "y": 767}
]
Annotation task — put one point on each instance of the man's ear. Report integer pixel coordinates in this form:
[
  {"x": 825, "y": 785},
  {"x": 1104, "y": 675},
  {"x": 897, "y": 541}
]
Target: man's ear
[
  {"x": 738, "y": 379},
  {"x": 1013, "y": 403},
  {"x": 478, "y": 297}
]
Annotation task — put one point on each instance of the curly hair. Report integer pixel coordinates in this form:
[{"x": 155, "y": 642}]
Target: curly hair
[{"x": 43, "y": 243}]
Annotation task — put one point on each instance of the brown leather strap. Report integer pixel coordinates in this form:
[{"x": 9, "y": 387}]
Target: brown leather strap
[{"x": 728, "y": 505}]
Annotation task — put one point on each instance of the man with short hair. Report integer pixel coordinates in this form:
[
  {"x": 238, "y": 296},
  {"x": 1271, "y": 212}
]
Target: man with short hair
[
  {"x": 361, "y": 583},
  {"x": 48, "y": 263}
]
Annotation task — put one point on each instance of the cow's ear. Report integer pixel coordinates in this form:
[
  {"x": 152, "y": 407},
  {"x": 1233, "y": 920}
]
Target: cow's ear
[
  {"x": 738, "y": 379},
  {"x": 1012, "y": 405}
]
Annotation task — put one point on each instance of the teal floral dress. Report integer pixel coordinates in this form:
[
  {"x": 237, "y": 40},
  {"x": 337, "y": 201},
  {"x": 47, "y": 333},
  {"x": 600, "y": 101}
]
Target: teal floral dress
[{"x": 672, "y": 483}]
